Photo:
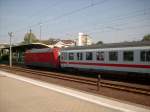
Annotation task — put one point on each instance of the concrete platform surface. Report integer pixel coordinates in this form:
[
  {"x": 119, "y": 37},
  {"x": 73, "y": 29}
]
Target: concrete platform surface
[{"x": 16, "y": 95}]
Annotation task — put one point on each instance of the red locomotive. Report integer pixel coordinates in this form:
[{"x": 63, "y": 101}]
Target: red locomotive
[{"x": 48, "y": 57}]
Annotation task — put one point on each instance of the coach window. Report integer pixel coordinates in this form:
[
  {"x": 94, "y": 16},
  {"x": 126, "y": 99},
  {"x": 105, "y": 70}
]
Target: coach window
[
  {"x": 66, "y": 56},
  {"x": 100, "y": 56},
  {"x": 128, "y": 56},
  {"x": 113, "y": 56},
  {"x": 79, "y": 56},
  {"x": 89, "y": 56},
  {"x": 145, "y": 56},
  {"x": 71, "y": 56}
]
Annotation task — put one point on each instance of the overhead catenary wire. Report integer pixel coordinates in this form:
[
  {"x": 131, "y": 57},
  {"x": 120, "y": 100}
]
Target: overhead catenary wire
[
  {"x": 120, "y": 18},
  {"x": 92, "y": 4},
  {"x": 48, "y": 21},
  {"x": 114, "y": 21},
  {"x": 67, "y": 14},
  {"x": 134, "y": 14},
  {"x": 70, "y": 13}
]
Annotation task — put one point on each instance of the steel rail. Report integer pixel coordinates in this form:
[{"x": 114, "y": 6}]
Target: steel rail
[{"x": 79, "y": 79}]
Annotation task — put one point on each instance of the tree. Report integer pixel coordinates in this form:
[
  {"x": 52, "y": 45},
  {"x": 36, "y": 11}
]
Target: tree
[
  {"x": 146, "y": 37},
  {"x": 30, "y": 38},
  {"x": 99, "y": 43}
]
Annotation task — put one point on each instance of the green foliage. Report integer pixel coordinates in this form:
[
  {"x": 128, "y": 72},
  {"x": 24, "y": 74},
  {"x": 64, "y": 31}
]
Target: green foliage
[
  {"x": 30, "y": 38},
  {"x": 99, "y": 43},
  {"x": 146, "y": 37}
]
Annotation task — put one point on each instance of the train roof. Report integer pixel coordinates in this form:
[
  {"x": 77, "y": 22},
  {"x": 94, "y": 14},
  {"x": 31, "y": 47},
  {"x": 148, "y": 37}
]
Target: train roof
[
  {"x": 43, "y": 50},
  {"x": 39, "y": 50},
  {"x": 25, "y": 47},
  {"x": 111, "y": 45}
]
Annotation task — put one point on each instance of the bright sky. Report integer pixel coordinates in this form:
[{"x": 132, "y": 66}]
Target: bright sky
[{"x": 105, "y": 20}]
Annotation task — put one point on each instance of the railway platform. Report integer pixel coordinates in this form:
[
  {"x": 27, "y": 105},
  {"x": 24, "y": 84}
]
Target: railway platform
[{"x": 22, "y": 94}]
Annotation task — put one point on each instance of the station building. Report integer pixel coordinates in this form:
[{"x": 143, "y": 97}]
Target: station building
[{"x": 18, "y": 51}]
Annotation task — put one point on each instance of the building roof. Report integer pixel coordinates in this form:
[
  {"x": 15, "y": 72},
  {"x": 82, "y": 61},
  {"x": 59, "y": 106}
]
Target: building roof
[
  {"x": 111, "y": 45},
  {"x": 67, "y": 41},
  {"x": 25, "y": 47},
  {"x": 3, "y": 45}
]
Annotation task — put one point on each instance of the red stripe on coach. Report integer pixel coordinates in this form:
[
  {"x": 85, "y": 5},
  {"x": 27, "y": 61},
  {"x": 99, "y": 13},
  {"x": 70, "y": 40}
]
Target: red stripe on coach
[{"x": 113, "y": 65}]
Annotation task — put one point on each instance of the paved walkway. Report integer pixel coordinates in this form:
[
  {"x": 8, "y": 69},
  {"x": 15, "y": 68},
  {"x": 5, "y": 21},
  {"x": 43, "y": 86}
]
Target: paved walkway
[{"x": 20, "y": 96}]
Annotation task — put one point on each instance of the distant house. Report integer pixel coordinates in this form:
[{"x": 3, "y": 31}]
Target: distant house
[{"x": 64, "y": 43}]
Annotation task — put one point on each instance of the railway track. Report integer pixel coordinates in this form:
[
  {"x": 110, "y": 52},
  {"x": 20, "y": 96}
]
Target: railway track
[{"x": 90, "y": 81}]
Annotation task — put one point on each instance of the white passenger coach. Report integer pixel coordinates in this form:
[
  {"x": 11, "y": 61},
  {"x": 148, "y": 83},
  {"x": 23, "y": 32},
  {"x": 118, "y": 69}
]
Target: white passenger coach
[{"x": 119, "y": 57}]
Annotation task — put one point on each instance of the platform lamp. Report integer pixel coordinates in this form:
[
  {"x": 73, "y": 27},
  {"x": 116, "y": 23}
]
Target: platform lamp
[
  {"x": 40, "y": 30},
  {"x": 11, "y": 34}
]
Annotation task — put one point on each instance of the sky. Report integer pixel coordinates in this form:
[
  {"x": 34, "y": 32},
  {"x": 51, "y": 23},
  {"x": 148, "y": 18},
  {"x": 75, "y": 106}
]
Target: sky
[{"x": 109, "y": 21}]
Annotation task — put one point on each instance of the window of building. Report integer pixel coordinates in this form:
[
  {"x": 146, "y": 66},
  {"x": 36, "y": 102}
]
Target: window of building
[
  {"x": 79, "y": 56},
  {"x": 128, "y": 56},
  {"x": 113, "y": 56},
  {"x": 89, "y": 56},
  {"x": 71, "y": 56},
  {"x": 145, "y": 56},
  {"x": 100, "y": 56}
]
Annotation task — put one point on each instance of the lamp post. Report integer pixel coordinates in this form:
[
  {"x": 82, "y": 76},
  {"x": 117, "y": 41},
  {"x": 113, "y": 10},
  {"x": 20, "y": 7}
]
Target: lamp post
[
  {"x": 10, "y": 52},
  {"x": 40, "y": 30}
]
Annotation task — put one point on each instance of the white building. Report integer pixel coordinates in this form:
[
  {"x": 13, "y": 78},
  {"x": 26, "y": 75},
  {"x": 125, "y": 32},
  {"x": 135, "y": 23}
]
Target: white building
[
  {"x": 84, "y": 40},
  {"x": 64, "y": 43}
]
